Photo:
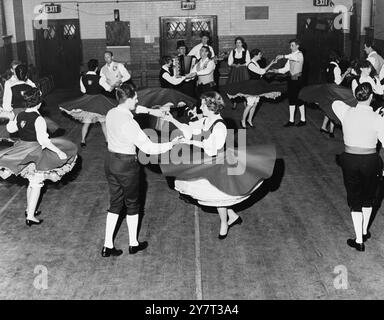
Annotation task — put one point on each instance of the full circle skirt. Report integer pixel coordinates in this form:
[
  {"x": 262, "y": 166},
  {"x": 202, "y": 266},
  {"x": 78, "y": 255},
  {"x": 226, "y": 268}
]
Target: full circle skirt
[
  {"x": 89, "y": 108},
  {"x": 325, "y": 94},
  {"x": 25, "y": 158},
  {"x": 226, "y": 179}
]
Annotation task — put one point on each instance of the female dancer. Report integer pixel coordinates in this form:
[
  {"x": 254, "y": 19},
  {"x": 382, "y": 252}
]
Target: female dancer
[
  {"x": 333, "y": 75},
  {"x": 368, "y": 74},
  {"x": 252, "y": 89},
  {"x": 166, "y": 77},
  {"x": 93, "y": 105},
  {"x": 211, "y": 181},
  {"x": 35, "y": 156},
  {"x": 238, "y": 61}
]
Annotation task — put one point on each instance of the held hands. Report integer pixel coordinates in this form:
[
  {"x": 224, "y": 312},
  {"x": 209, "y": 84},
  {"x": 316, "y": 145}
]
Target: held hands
[
  {"x": 178, "y": 140},
  {"x": 280, "y": 56}
]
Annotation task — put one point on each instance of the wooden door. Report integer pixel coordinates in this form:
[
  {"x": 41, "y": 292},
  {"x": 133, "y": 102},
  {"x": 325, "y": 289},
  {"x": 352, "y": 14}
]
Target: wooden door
[
  {"x": 319, "y": 37},
  {"x": 59, "y": 51},
  {"x": 173, "y": 29}
]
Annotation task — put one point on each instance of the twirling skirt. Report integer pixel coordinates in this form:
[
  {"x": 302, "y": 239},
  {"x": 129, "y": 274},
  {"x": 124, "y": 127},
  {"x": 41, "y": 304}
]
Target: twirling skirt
[
  {"x": 226, "y": 179},
  {"x": 325, "y": 94},
  {"x": 26, "y": 158},
  {"x": 159, "y": 96},
  {"x": 251, "y": 87},
  {"x": 89, "y": 108},
  {"x": 238, "y": 74}
]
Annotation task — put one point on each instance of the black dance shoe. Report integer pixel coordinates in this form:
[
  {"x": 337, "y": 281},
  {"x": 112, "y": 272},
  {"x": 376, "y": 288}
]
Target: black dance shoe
[
  {"x": 289, "y": 124},
  {"x": 30, "y": 223},
  {"x": 332, "y": 135},
  {"x": 58, "y": 133},
  {"x": 250, "y": 124},
  {"x": 222, "y": 237},
  {"x": 83, "y": 144},
  {"x": 358, "y": 246},
  {"x": 241, "y": 124},
  {"x": 134, "y": 249},
  {"x": 301, "y": 123},
  {"x": 106, "y": 252},
  {"x": 237, "y": 221},
  {"x": 37, "y": 213},
  {"x": 366, "y": 236}
]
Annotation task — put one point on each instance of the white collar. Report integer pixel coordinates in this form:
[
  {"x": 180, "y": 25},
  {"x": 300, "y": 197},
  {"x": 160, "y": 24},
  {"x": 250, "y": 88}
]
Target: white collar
[
  {"x": 372, "y": 53},
  {"x": 364, "y": 106},
  {"x": 91, "y": 72},
  {"x": 125, "y": 110},
  {"x": 34, "y": 109},
  {"x": 335, "y": 63},
  {"x": 165, "y": 67}
]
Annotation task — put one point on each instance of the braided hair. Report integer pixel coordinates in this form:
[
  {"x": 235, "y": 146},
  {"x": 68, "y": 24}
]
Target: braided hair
[{"x": 32, "y": 97}]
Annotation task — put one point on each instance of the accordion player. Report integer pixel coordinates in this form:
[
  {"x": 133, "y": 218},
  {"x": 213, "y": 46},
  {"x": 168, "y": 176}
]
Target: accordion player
[{"x": 182, "y": 65}]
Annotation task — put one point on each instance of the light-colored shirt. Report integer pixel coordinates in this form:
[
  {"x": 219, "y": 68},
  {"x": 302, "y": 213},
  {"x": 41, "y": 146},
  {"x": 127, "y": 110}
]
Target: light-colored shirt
[
  {"x": 376, "y": 86},
  {"x": 196, "y": 51},
  {"x": 172, "y": 80},
  {"x": 217, "y": 138},
  {"x": 40, "y": 127},
  {"x": 376, "y": 60},
  {"x": 255, "y": 67},
  {"x": 238, "y": 55},
  {"x": 336, "y": 73},
  {"x": 361, "y": 125},
  {"x": 294, "y": 64},
  {"x": 124, "y": 134},
  {"x": 102, "y": 82},
  {"x": 204, "y": 70},
  {"x": 113, "y": 73},
  {"x": 7, "y": 96}
]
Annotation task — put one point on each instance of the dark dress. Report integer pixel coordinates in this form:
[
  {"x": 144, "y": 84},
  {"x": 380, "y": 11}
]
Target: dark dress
[
  {"x": 27, "y": 157},
  {"x": 238, "y": 74},
  {"x": 225, "y": 179},
  {"x": 93, "y": 106}
]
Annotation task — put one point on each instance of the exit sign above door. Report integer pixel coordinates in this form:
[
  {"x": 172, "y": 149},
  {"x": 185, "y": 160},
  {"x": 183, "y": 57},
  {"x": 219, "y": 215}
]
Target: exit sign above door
[
  {"x": 52, "y": 8},
  {"x": 321, "y": 3}
]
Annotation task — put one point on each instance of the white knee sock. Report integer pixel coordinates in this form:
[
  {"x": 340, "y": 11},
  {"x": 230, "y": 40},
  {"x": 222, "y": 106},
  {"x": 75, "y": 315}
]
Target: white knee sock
[
  {"x": 292, "y": 113},
  {"x": 110, "y": 229},
  {"x": 302, "y": 113},
  {"x": 366, "y": 216},
  {"x": 132, "y": 222},
  {"x": 357, "y": 218}
]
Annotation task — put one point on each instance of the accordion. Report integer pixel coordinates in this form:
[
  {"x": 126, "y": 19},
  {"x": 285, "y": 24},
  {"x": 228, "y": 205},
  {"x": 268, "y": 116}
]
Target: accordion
[{"x": 182, "y": 65}]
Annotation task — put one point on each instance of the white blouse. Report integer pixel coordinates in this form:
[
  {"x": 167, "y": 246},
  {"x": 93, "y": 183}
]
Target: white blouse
[
  {"x": 376, "y": 86},
  {"x": 238, "y": 55},
  {"x": 217, "y": 138}
]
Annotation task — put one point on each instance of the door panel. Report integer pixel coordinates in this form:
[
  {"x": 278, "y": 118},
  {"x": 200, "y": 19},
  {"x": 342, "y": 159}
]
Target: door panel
[
  {"x": 319, "y": 37},
  {"x": 59, "y": 51},
  {"x": 173, "y": 29}
]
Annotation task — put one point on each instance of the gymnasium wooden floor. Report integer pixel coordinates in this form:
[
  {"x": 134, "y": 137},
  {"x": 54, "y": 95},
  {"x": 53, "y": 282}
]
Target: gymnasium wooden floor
[{"x": 292, "y": 239}]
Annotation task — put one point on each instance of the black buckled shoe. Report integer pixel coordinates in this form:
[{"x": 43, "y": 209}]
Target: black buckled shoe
[
  {"x": 358, "y": 246},
  {"x": 31, "y": 223},
  {"x": 135, "y": 249},
  {"x": 289, "y": 124},
  {"x": 106, "y": 252},
  {"x": 301, "y": 123},
  {"x": 222, "y": 237},
  {"x": 237, "y": 221},
  {"x": 37, "y": 213},
  {"x": 366, "y": 236}
]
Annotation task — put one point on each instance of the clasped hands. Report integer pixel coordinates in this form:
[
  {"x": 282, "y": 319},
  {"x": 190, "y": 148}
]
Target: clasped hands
[{"x": 278, "y": 57}]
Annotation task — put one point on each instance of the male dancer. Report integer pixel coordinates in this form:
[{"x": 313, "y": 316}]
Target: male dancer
[
  {"x": 294, "y": 66},
  {"x": 373, "y": 57},
  {"x": 204, "y": 70},
  {"x": 362, "y": 127},
  {"x": 195, "y": 52},
  {"x": 122, "y": 168},
  {"x": 113, "y": 73}
]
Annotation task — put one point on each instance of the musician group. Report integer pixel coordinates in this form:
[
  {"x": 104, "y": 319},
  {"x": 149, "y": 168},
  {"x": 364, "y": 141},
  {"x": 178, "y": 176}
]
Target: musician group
[{"x": 189, "y": 79}]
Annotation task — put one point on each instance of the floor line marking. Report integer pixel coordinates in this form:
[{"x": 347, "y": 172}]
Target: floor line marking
[
  {"x": 198, "y": 280},
  {"x": 10, "y": 201}
]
